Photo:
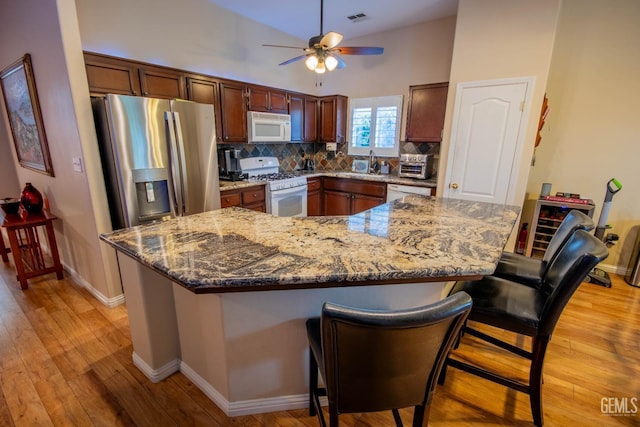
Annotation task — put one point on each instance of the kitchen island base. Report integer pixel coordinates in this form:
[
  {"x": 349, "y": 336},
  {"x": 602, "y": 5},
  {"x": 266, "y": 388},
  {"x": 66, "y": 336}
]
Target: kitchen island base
[{"x": 247, "y": 351}]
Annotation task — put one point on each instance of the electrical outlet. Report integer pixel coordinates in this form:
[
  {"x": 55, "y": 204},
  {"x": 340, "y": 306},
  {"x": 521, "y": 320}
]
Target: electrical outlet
[
  {"x": 77, "y": 164},
  {"x": 332, "y": 146}
]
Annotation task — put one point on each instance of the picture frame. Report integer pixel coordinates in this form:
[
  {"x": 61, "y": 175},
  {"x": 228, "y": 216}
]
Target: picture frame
[
  {"x": 360, "y": 166},
  {"x": 25, "y": 119}
]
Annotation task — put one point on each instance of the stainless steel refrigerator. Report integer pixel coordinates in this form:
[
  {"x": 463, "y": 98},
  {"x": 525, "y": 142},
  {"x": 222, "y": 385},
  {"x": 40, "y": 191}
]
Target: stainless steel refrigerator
[{"x": 158, "y": 156}]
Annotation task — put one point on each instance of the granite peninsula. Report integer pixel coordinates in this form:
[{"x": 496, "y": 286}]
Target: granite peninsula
[{"x": 412, "y": 239}]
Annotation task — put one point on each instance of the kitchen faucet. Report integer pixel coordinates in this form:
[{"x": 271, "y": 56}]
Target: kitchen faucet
[{"x": 372, "y": 162}]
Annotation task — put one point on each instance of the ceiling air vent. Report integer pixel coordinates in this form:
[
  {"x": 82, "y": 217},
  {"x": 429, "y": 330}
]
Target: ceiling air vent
[{"x": 357, "y": 17}]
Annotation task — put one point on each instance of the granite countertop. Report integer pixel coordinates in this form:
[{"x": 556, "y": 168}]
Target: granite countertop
[
  {"x": 389, "y": 179},
  {"x": 413, "y": 239}
]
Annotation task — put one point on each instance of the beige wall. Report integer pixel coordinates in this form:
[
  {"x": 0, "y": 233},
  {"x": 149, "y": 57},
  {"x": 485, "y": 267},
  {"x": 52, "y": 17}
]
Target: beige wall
[
  {"x": 33, "y": 27},
  {"x": 501, "y": 39},
  {"x": 9, "y": 185},
  {"x": 592, "y": 132},
  {"x": 193, "y": 35},
  {"x": 412, "y": 55}
]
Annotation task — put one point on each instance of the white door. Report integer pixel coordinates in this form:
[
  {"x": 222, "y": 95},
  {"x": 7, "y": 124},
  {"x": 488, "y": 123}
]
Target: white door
[{"x": 486, "y": 137}]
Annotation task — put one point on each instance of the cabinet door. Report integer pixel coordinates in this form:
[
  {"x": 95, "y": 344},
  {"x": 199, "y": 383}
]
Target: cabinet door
[
  {"x": 258, "y": 98},
  {"x": 314, "y": 197},
  {"x": 230, "y": 198},
  {"x": 278, "y": 101},
  {"x": 111, "y": 75},
  {"x": 360, "y": 202},
  {"x": 162, "y": 83},
  {"x": 233, "y": 112},
  {"x": 296, "y": 110},
  {"x": 425, "y": 112},
  {"x": 337, "y": 203},
  {"x": 333, "y": 118},
  {"x": 310, "y": 119},
  {"x": 205, "y": 91}
]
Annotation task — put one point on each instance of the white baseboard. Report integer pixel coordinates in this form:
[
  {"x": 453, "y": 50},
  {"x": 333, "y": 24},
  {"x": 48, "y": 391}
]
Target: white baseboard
[
  {"x": 245, "y": 407},
  {"x": 615, "y": 269},
  {"x": 156, "y": 375},
  {"x": 109, "y": 302}
]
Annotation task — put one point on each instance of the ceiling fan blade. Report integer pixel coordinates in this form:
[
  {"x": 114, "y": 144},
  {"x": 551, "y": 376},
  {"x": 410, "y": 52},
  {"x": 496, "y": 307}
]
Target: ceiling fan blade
[
  {"x": 341, "y": 63},
  {"x": 331, "y": 39},
  {"x": 297, "y": 58},
  {"x": 360, "y": 50},
  {"x": 288, "y": 47}
]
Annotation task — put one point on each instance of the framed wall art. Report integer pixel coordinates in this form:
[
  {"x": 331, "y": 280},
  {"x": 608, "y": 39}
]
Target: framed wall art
[{"x": 25, "y": 119}]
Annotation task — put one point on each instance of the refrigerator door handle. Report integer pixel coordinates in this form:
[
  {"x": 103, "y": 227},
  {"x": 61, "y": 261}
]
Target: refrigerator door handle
[
  {"x": 183, "y": 164},
  {"x": 174, "y": 163}
]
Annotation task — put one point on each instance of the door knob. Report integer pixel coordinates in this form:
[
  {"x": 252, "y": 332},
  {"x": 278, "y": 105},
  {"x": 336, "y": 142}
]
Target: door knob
[{"x": 454, "y": 186}]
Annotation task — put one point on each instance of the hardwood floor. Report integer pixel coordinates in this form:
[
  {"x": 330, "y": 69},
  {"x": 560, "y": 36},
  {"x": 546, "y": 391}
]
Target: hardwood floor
[{"x": 65, "y": 360}]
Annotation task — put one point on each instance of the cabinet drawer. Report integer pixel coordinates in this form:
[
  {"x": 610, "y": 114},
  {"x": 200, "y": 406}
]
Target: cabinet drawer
[
  {"x": 356, "y": 186},
  {"x": 313, "y": 184},
  {"x": 252, "y": 196},
  {"x": 232, "y": 199}
]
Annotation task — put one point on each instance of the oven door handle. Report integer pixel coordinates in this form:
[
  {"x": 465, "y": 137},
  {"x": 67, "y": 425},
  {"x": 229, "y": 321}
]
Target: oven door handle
[{"x": 288, "y": 191}]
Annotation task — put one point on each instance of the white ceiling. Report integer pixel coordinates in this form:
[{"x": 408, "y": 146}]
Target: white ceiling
[{"x": 301, "y": 18}]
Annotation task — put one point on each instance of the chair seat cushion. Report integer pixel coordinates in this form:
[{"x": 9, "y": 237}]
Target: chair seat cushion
[
  {"x": 504, "y": 304},
  {"x": 520, "y": 268}
]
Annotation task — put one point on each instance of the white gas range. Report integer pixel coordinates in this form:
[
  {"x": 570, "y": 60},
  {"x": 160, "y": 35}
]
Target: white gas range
[{"x": 286, "y": 193}]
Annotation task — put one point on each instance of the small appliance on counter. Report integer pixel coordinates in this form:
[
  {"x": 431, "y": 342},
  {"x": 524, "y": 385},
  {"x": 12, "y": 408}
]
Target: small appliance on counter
[
  {"x": 416, "y": 166},
  {"x": 229, "y": 165},
  {"x": 308, "y": 164}
]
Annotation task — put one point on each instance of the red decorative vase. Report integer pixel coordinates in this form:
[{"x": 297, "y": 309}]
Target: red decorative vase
[{"x": 31, "y": 199}]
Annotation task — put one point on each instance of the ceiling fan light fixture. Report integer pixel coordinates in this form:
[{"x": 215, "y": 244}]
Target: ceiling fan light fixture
[
  {"x": 320, "y": 68},
  {"x": 311, "y": 62},
  {"x": 331, "y": 63}
]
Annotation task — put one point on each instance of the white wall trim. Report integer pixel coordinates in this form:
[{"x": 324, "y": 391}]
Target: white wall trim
[
  {"x": 109, "y": 302},
  {"x": 615, "y": 269},
  {"x": 156, "y": 375},
  {"x": 246, "y": 407}
]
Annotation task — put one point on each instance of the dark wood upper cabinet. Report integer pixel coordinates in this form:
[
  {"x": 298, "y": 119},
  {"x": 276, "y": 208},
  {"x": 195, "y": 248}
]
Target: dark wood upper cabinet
[
  {"x": 162, "y": 83},
  {"x": 425, "y": 112},
  {"x": 310, "y": 118},
  {"x": 231, "y": 99},
  {"x": 205, "y": 91},
  {"x": 111, "y": 75},
  {"x": 267, "y": 99},
  {"x": 278, "y": 101},
  {"x": 296, "y": 111},
  {"x": 202, "y": 90},
  {"x": 233, "y": 112},
  {"x": 333, "y": 118}
]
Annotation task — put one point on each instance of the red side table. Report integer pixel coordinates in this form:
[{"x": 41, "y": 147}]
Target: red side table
[{"x": 25, "y": 245}]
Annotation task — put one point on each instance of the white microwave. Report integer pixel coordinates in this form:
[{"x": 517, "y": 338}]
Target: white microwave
[{"x": 268, "y": 127}]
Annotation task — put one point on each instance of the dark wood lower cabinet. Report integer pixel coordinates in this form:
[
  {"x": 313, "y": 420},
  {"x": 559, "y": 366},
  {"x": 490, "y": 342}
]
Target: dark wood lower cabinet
[
  {"x": 250, "y": 198},
  {"x": 351, "y": 196},
  {"x": 314, "y": 197},
  {"x": 337, "y": 203}
]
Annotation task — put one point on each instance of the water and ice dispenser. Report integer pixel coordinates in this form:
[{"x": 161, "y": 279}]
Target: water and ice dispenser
[{"x": 152, "y": 191}]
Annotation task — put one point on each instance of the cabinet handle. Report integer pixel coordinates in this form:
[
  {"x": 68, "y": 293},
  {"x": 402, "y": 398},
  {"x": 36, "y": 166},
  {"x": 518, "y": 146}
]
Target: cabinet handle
[{"x": 454, "y": 186}]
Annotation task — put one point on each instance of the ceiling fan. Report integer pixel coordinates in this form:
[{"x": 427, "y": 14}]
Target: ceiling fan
[{"x": 323, "y": 50}]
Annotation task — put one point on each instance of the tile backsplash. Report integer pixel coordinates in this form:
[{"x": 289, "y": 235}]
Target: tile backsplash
[{"x": 292, "y": 155}]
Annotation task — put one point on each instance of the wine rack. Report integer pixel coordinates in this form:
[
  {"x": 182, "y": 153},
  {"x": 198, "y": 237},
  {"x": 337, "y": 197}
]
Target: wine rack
[{"x": 546, "y": 219}]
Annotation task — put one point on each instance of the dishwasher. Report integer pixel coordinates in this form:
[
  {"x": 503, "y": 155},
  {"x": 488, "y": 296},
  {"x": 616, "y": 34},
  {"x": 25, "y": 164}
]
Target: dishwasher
[{"x": 397, "y": 191}]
